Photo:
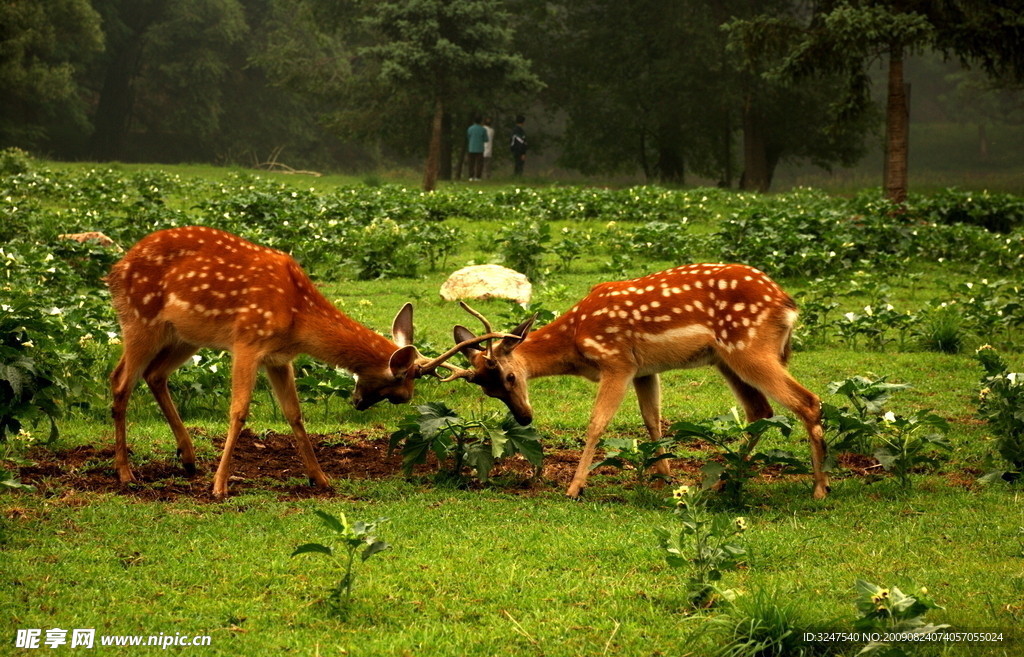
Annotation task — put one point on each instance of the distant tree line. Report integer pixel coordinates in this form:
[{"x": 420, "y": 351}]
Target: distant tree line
[{"x": 726, "y": 89}]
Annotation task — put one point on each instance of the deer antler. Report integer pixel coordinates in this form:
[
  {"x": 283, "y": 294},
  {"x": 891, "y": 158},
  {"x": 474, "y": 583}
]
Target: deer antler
[
  {"x": 474, "y": 313},
  {"x": 483, "y": 320},
  {"x": 429, "y": 365}
]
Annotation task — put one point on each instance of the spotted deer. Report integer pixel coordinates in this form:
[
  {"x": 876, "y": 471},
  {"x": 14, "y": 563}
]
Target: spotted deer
[
  {"x": 730, "y": 316},
  {"x": 182, "y": 289}
]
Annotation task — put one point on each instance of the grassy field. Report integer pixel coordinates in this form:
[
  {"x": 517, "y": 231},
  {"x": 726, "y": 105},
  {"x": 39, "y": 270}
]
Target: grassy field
[{"x": 499, "y": 570}]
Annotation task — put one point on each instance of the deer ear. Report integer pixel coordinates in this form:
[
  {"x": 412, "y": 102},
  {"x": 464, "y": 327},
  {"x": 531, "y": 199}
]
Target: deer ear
[
  {"x": 402, "y": 360},
  {"x": 461, "y": 335},
  {"x": 507, "y": 345},
  {"x": 401, "y": 328}
]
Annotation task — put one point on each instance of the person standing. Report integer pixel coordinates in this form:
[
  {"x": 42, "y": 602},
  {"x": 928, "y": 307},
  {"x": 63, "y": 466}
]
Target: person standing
[
  {"x": 488, "y": 148},
  {"x": 477, "y": 138},
  {"x": 518, "y": 145}
]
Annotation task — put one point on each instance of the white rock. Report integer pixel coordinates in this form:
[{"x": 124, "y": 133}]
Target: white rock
[{"x": 487, "y": 282}]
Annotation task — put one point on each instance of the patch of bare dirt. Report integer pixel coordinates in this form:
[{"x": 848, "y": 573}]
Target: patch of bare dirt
[
  {"x": 266, "y": 461},
  {"x": 270, "y": 462}
]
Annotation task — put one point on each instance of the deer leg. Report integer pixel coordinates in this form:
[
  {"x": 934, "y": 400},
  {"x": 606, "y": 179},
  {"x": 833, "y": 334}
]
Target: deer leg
[
  {"x": 138, "y": 352},
  {"x": 771, "y": 378},
  {"x": 243, "y": 378},
  {"x": 610, "y": 392},
  {"x": 648, "y": 394},
  {"x": 755, "y": 404},
  {"x": 168, "y": 360},
  {"x": 282, "y": 379}
]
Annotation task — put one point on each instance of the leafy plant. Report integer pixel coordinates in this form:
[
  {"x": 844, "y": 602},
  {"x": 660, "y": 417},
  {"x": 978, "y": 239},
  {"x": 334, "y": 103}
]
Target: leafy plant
[
  {"x": 1001, "y": 405},
  {"x": 317, "y": 382},
  {"x": 478, "y": 444},
  {"x": 740, "y": 464},
  {"x": 874, "y": 325},
  {"x": 703, "y": 543},
  {"x": 891, "y": 611},
  {"x": 942, "y": 329},
  {"x": 522, "y": 245},
  {"x": 356, "y": 538},
  {"x": 767, "y": 624},
  {"x": 31, "y": 385},
  {"x": 639, "y": 456},
  {"x": 906, "y": 443},
  {"x": 573, "y": 244},
  {"x": 13, "y": 450}
]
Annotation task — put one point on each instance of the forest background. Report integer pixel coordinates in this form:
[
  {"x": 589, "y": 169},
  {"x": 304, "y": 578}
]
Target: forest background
[{"x": 736, "y": 94}]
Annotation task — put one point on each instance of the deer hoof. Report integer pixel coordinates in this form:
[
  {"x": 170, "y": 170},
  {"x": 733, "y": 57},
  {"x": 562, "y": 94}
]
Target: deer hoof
[{"x": 190, "y": 469}]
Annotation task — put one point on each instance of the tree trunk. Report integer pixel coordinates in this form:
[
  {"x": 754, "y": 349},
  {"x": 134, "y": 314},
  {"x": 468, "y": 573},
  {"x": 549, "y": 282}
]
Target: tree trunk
[
  {"x": 116, "y": 102},
  {"x": 897, "y": 130},
  {"x": 727, "y": 173},
  {"x": 445, "y": 171},
  {"x": 756, "y": 176},
  {"x": 434, "y": 152}
]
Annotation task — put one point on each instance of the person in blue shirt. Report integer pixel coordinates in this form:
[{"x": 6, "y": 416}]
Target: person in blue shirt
[{"x": 477, "y": 137}]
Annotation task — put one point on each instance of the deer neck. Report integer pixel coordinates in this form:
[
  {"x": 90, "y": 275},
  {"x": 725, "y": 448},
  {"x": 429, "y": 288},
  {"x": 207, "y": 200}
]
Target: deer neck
[
  {"x": 330, "y": 335},
  {"x": 550, "y": 350}
]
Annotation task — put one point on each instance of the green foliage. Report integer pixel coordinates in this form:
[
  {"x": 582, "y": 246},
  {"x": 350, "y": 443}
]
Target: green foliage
[
  {"x": 1001, "y": 405},
  {"x": 44, "y": 44},
  {"x": 907, "y": 443},
  {"x": 999, "y": 213},
  {"x": 573, "y": 244},
  {"x": 763, "y": 624},
  {"x": 13, "y": 455},
  {"x": 522, "y": 244},
  {"x": 703, "y": 543},
  {"x": 639, "y": 456},
  {"x": 32, "y": 384},
  {"x": 900, "y": 444},
  {"x": 739, "y": 463},
  {"x": 478, "y": 444},
  {"x": 14, "y": 160},
  {"x": 891, "y": 611},
  {"x": 942, "y": 329},
  {"x": 356, "y": 538},
  {"x": 854, "y": 430}
]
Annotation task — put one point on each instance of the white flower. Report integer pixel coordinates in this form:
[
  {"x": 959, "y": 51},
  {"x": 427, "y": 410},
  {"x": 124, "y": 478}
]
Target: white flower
[{"x": 889, "y": 417}]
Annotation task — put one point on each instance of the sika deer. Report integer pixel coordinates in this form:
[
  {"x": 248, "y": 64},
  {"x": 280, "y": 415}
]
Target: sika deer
[
  {"x": 182, "y": 289},
  {"x": 731, "y": 316}
]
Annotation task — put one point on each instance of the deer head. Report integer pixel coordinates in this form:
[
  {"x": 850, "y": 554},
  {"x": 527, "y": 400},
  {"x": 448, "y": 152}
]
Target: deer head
[
  {"x": 396, "y": 381},
  {"x": 495, "y": 368}
]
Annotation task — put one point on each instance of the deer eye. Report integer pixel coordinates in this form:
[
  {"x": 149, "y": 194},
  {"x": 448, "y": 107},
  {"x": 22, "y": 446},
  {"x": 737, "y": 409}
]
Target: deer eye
[{"x": 511, "y": 378}]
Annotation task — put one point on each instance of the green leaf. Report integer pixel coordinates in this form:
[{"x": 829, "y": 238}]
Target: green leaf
[
  {"x": 373, "y": 548},
  {"x": 313, "y": 547},
  {"x": 340, "y": 526}
]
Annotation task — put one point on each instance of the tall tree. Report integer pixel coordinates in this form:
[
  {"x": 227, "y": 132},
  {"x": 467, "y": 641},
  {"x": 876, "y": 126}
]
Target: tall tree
[
  {"x": 165, "y": 66},
  {"x": 846, "y": 37},
  {"x": 41, "y": 46},
  {"x": 668, "y": 91},
  {"x": 437, "y": 51}
]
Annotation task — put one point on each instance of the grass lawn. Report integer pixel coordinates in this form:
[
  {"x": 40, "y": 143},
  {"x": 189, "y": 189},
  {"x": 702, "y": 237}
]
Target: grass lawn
[{"x": 502, "y": 569}]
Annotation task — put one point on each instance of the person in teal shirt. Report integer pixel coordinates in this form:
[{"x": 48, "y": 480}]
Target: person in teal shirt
[{"x": 477, "y": 137}]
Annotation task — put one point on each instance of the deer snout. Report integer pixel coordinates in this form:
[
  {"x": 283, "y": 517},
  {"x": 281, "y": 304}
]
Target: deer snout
[
  {"x": 363, "y": 402},
  {"x": 523, "y": 416}
]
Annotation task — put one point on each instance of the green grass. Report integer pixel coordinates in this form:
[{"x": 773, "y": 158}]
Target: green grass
[{"x": 493, "y": 572}]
